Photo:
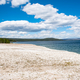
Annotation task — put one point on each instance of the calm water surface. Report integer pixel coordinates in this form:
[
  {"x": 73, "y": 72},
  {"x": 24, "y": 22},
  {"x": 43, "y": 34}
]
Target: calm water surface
[{"x": 72, "y": 46}]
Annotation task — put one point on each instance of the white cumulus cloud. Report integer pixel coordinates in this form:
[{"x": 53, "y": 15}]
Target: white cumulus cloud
[
  {"x": 2, "y": 2},
  {"x": 23, "y": 26},
  {"x": 49, "y": 14},
  {"x": 40, "y": 11},
  {"x": 76, "y": 26},
  {"x": 16, "y": 3}
]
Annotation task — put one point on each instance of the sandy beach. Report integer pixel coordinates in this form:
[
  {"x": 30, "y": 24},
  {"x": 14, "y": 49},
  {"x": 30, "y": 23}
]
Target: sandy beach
[{"x": 31, "y": 62}]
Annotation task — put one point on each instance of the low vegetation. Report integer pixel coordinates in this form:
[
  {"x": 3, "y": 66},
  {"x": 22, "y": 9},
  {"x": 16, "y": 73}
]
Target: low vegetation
[{"x": 4, "y": 40}]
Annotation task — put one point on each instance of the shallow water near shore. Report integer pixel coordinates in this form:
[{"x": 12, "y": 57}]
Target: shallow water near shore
[{"x": 72, "y": 46}]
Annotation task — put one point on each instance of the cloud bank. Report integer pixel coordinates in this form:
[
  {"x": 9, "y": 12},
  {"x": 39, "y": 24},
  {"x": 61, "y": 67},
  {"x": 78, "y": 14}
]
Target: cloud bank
[
  {"x": 51, "y": 19},
  {"x": 23, "y": 26},
  {"x": 49, "y": 14}
]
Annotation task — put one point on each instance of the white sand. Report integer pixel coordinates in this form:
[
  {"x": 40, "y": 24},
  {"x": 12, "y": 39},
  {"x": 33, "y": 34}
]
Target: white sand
[{"x": 31, "y": 62}]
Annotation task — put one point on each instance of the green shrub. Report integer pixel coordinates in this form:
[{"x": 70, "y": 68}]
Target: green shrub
[{"x": 3, "y": 40}]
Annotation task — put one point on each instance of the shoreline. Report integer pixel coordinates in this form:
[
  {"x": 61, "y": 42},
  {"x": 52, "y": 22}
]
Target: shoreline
[
  {"x": 47, "y": 48},
  {"x": 73, "y": 49},
  {"x": 32, "y": 62}
]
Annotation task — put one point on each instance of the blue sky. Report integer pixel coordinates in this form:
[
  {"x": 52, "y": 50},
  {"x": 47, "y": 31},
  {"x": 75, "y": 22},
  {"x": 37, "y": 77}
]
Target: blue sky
[{"x": 40, "y": 18}]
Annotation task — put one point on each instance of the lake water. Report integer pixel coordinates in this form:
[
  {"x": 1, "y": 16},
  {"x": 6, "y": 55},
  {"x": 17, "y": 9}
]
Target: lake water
[{"x": 72, "y": 46}]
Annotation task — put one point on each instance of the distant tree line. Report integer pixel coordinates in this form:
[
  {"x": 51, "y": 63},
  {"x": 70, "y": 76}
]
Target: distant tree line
[
  {"x": 8, "y": 40},
  {"x": 45, "y": 39},
  {"x": 4, "y": 40}
]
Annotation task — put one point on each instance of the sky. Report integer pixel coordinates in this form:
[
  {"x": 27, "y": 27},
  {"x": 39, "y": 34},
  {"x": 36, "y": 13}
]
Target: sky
[{"x": 40, "y": 19}]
